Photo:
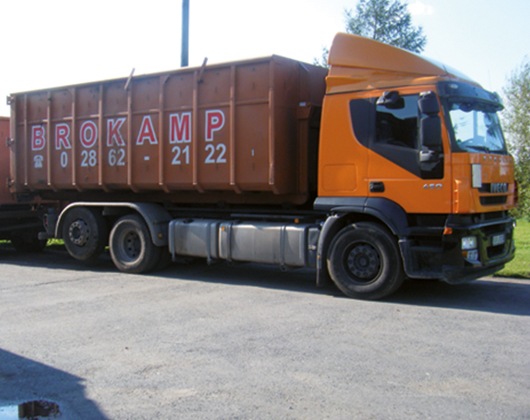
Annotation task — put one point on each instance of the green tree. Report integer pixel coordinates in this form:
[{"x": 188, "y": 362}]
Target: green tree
[
  {"x": 387, "y": 21},
  {"x": 516, "y": 119}
]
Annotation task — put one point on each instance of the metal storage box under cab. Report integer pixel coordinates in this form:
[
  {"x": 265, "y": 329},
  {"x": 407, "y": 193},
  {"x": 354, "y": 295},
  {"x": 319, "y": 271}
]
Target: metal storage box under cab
[{"x": 232, "y": 132}]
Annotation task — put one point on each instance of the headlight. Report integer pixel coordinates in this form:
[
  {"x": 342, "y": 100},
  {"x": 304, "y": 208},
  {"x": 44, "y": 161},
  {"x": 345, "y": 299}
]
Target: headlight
[{"x": 469, "y": 242}]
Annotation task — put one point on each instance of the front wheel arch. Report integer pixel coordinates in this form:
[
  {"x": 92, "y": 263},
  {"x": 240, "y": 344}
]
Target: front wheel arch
[{"x": 364, "y": 261}]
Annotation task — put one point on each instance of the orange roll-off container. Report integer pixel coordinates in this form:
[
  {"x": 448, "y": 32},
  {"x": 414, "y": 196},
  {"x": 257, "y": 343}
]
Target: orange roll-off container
[{"x": 235, "y": 132}]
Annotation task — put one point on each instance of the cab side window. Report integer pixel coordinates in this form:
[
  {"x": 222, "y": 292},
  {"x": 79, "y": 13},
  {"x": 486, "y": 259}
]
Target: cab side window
[{"x": 397, "y": 124}]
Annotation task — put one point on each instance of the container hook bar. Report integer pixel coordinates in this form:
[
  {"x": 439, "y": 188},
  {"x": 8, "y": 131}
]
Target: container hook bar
[
  {"x": 128, "y": 82},
  {"x": 201, "y": 70}
]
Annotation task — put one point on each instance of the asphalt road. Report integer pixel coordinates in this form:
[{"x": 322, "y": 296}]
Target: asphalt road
[{"x": 252, "y": 342}]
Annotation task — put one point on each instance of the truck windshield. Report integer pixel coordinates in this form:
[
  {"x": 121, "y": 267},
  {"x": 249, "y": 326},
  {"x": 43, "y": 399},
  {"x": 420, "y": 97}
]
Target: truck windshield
[{"x": 476, "y": 127}]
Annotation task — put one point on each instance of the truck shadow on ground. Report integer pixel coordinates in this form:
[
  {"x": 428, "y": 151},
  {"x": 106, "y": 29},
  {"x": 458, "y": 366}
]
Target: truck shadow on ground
[
  {"x": 496, "y": 295},
  {"x": 23, "y": 380},
  {"x": 493, "y": 294}
]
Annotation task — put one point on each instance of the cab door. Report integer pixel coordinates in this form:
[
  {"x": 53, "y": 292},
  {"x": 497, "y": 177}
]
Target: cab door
[{"x": 408, "y": 163}]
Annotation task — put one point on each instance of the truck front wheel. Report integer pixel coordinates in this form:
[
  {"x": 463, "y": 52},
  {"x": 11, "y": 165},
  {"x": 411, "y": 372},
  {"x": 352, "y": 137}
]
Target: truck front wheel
[
  {"x": 364, "y": 261},
  {"x": 131, "y": 247},
  {"x": 84, "y": 233}
]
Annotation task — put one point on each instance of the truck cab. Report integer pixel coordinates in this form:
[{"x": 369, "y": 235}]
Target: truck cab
[{"x": 418, "y": 147}]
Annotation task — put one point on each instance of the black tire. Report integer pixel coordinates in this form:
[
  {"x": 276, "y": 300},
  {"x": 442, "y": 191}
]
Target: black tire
[
  {"x": 364, "y": 261},
  {"x": 85, "y": 233},
  {"x": 131, "y": 247}
]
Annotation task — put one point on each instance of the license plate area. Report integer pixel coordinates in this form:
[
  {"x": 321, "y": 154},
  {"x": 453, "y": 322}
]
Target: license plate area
[{"x": 499, "y": 239}]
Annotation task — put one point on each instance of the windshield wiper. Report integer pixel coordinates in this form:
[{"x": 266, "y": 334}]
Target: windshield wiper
[{"x": 478, "y": 148}]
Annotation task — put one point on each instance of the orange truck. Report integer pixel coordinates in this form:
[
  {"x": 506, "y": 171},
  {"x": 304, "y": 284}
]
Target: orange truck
[{"x": 387, "y": 166}]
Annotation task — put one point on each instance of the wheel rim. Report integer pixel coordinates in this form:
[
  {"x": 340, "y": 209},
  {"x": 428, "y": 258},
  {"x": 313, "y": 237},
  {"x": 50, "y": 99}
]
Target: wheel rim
[
  {"x": 79, "y": 232},
  {"x": 132, "y": 245},
  {"x": 363, "y": 262}
]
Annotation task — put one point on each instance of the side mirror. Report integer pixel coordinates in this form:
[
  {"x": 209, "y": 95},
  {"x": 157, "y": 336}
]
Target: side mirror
[
  {"x": 430, "y": 123},
  {"x": 431, "y": 132},
  {"x": 431, "y": 156},
  {"x": 431, "y": 153}
]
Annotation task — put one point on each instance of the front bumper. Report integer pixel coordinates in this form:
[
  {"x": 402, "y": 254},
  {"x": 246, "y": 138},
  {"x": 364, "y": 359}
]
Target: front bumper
[{"x": 436, "y": 252}]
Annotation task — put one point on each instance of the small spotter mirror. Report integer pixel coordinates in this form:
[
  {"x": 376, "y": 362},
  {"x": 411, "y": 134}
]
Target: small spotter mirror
[
  {"x": 428, "y": 103},
  {"x": 391, "y": 100}
]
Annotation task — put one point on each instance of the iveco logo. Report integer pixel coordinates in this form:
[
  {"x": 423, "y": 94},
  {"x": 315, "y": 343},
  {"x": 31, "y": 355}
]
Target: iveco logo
[{"x": 498, "y": 187}]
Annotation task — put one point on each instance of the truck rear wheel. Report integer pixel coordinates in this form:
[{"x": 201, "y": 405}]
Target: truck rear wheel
[
  {"x": 131, "y": 247},
  {"x": 84, "y": 233},
  {"x": 364, "y": 261}
]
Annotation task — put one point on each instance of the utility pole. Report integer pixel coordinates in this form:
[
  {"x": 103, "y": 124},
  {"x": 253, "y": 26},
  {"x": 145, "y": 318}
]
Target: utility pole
[{"x": 185, "y": 33}]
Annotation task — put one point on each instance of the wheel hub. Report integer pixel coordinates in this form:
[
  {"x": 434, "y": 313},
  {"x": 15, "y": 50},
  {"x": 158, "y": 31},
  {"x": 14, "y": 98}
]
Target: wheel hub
[
  {"x": 132, "y": 245},
  {"x": 79, "y": 233},
  {"x": 363, "y": 262}
]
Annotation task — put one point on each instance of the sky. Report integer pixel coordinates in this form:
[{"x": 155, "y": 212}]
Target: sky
[{"x": 48, "y": 43}]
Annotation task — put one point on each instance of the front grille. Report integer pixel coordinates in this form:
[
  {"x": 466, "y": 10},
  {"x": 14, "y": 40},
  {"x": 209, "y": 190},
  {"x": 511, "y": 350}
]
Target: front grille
[
  {"x": 494, "y": 188},
  {"x": 494, "y": 193},
  {"x": 491, "y": 201}
]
